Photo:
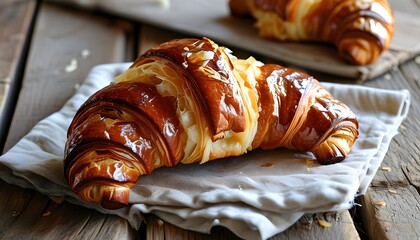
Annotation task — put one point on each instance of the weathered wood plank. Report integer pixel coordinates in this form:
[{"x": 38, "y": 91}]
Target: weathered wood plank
[
  {"x": 307, "y": 227},
  {"x": 150, "y": 36},
  {"x": 156, "y": 229},
  {"x": 12, "y": 199},
  {"x": 15, "y": 20},
  {"x": 399, "y": 219},
  {"x": 60, "y": 37},
  {"x": 342, "y": 227},
  {"x": 28, "y": 214}
]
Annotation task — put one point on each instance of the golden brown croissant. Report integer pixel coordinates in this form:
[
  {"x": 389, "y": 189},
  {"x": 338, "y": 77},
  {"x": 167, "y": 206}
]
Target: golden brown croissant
[
  {"x": 360, "y": 29},
  {"x": 189, "y": 100}
]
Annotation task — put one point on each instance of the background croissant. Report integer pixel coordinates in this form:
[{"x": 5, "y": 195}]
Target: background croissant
[
  {"x": 360, "y": 29},
  {"x": 189, "y": 100}
]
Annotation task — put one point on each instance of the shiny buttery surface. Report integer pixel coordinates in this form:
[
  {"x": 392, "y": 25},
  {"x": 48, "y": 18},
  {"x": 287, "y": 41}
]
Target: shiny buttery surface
[
  {"x": 189, "y": 100},
  {"x": 211, "y": 73}
]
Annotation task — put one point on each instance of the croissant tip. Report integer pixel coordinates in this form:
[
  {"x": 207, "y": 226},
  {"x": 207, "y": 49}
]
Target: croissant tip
[
  {"x": 108, "y": 196},
  {"x": 333, "y": 150},
  {"x": 358, "y": 51}
]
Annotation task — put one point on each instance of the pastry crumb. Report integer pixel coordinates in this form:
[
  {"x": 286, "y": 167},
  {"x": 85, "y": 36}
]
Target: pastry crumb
[
  {"x": 393, "y": 191},
  {"x": 85, "y": 53},
  {"x": 388, "y": 169},
  {"x": 76, "y": 86},
  {"x": 380, "y": 203},
  {"x": 57, "y": 199},
  {"x": 15, "y": 213},
  {"x": 46, "y": 214},
  {"x": 309, "y": 163},
  {"x": 72, "y": 66},
  {"x": 324, "y": 223}
]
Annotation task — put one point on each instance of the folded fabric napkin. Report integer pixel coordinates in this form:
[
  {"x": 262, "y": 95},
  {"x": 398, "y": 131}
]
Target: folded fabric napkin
[
  {"x": 245, "y": 194},
  {"x": 212, "y": 19}
]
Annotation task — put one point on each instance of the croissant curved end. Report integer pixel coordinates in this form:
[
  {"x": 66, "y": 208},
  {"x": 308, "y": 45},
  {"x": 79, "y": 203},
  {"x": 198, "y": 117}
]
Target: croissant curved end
[
  {"x": 367, "y": 34},
  {"x": 358, "y": 51},
  {"x": 335, "y": 148},
  {"x": 110, "y": 197}
]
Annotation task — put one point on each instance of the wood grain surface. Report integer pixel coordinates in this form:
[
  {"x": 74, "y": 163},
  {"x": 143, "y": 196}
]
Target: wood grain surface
[
  {"x": 16, "y": 19},
  {"x": 60, "y": 38},
  {"x": 307, "y": 227}
]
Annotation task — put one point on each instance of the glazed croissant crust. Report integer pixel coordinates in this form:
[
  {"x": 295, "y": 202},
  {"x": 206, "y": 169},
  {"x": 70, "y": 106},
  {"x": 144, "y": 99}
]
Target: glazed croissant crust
[
  {"x": 189, "y": 100},
  {"x": 360, "y": 29}
]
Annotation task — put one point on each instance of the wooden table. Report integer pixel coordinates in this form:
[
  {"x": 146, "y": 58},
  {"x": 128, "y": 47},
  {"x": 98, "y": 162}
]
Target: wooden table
[{"x": 38, "y": 40}]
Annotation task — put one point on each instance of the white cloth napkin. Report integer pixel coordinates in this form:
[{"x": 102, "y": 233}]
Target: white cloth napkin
[{"x": 240, "y": 193}]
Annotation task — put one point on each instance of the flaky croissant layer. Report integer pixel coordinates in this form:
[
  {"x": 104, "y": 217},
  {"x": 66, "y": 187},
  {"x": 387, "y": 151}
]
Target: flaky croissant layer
[
  {"x": 360, "y": 29},
  {"x": 189, "y": 100}
]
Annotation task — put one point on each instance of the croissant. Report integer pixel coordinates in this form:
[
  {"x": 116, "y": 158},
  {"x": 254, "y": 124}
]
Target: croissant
[
  {"x": 190, "y": 100},
  {"x": 360, "y": 29}
]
